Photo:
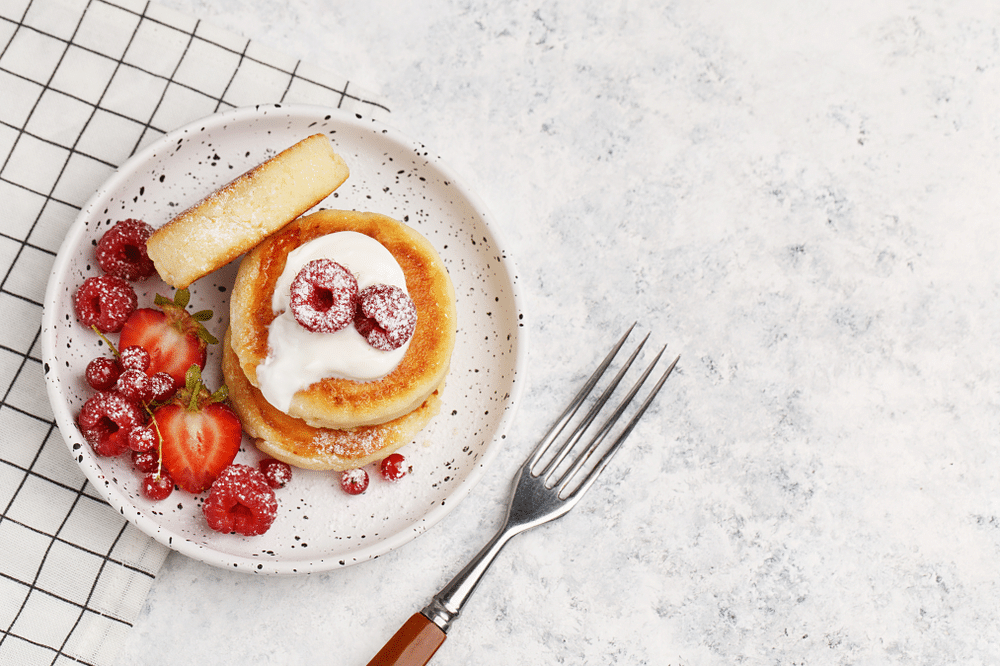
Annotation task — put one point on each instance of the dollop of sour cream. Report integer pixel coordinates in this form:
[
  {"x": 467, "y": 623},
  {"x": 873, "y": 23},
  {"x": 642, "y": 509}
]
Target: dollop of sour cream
[{"x": 297, "y": 357}]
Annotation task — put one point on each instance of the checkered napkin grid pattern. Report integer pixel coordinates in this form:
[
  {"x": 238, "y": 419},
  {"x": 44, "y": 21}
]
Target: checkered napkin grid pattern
[{"x": 83, "y": 85}]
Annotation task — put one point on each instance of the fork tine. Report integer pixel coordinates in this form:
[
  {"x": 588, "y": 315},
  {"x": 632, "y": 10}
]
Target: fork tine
[
  {"x": 585, "y": 455},
  {"x": 578, "y": 400},
  {"x": 581, "y": 428},
  {"x": 592, "y": 475}
]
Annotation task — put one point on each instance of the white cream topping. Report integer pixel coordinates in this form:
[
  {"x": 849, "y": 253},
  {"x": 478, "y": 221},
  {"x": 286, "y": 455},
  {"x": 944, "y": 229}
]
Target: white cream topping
[{"x": 297, "y": 357}]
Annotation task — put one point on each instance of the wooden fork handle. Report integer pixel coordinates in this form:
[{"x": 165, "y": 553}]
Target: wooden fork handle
[{"x": 413, "y": 645}]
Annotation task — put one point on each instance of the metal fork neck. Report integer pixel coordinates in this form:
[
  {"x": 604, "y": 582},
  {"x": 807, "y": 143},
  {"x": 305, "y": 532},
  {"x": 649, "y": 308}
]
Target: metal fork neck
[{"x": 448, "y": 603}]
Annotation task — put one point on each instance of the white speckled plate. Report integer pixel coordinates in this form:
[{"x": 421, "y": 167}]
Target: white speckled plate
[{"x": 318, "y": 527}]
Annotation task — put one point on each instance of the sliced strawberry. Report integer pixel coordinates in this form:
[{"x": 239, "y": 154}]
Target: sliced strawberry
[
  {"x": 174, "y": 337},
  {"x": 200, "y": 434}
]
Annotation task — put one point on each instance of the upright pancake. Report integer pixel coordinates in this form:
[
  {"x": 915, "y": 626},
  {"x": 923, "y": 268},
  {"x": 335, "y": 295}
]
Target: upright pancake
[
  {"x": 339, "y": 403},
  {"x": 293, "y": 440},
  {"x": 236, "y": 217}
]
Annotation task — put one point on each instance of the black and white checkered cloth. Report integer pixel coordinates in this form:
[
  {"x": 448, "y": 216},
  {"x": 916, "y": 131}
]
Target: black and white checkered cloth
[{"x": 83, "y": 85}]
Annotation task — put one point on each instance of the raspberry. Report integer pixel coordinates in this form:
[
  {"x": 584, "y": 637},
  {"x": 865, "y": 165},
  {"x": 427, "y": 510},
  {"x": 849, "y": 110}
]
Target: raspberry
[
  {"x": 134, "y": 357},
  {"x": 240, "y": 501},
  {"x": 102, "y": 373},
  {"x": 354, "y": 481},
  {"x": 134, "y": 385},
  {"x": 157, "y": 486},
  {"x": 143, "y": 439},
  {"x": 106, "y": 420},
  {"x": 386, "y": 316},
  {"x": 122, "y": 250},
  {"x": 145, "y": 461},
  {"x": 105, "y": 302},
  {"x": 161, "y": 387},
  {"x": 393, "y": 467},
  {"x": 324, "y": 296},
  {"x": 276, "y": 472}
]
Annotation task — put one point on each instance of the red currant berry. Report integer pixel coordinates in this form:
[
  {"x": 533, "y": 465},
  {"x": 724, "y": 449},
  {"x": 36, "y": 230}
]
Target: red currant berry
[
  {"x": 161, "y": 386},
  {"x": 394, "y": 468},
  {"x": 324, "y": 296},
  {"x": 277, "y": 472},
  {"x": 122, "y": 250},
  {"x": 134, "y": 385},
  {"x": 354, "y": 481},
  {"x": 102, "y": 373},
  {"x": 105, "y": 302},
  {"x": 146, "y": 461},
  {"x": 157, "y": 486},
  {"x": 134, "y": 357},
  {"x": 386, "y": 316},
  {"x": 143, "y": 439}
]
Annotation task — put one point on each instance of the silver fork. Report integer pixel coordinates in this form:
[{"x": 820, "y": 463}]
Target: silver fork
[{"x": 547, "y": 486}]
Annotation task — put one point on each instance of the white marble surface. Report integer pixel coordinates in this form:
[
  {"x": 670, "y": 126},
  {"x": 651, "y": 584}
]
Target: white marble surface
[{"x": 802, "y": 199}]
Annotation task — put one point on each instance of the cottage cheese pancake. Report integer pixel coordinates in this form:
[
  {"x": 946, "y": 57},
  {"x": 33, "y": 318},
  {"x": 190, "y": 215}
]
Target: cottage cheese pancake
[{"x": 338, "y": 401}]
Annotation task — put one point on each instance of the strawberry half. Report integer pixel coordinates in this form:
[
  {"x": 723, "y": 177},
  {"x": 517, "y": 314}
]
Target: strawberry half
[
  {"x": 174, "y": 337},
  {"x": 200, "y": 435}
]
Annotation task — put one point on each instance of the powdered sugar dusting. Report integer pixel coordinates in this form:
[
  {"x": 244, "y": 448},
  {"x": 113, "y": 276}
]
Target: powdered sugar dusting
[{"x": 356, "y": 443}]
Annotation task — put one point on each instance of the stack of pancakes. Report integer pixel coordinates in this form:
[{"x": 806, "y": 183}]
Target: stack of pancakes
[
  {"x": 334, "y": 423},
  {"x": 340, "y": 423}
]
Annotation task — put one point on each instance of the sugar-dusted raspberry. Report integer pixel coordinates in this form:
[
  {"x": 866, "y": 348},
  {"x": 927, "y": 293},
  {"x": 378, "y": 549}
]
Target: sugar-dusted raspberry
[
  {"x": 277, "y": 473},
  {"x": 354, "y": 481},
  {"x": 240, "y": 501},
  {"x": 146, "y": 461},
  {"x": 134, "y": 385},
  {"x": 122, "y": 250},
  {"x": 102, "y": 373},
  {"x": 143, "y": 439},
  {"x": 324, "y": 296},
  {"x": 134, "y": 357},
  {"x": 157, "y": 486},
  {"x": 386, "y": 316},
  {"x": 161, "y": 386},
  {"x": 105, "y": 301},
  {"x": 106, "y": 420},
  {"x": 394, "y": 467}
]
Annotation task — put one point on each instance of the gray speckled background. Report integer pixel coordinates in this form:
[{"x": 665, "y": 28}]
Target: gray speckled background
[{"x": 801, "y": 198}]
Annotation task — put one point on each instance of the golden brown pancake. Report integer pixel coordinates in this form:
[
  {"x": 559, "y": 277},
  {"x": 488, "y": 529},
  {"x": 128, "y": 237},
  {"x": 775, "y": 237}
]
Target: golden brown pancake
[
  {"x": 293, "y": 440},
  {"x": 343, "y": 403},
  {"x": 236, "y": 217}
]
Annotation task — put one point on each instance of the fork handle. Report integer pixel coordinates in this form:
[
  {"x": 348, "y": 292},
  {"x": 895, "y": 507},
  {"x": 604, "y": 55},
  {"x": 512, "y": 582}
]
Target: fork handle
[{"x": 413, "y": 645}]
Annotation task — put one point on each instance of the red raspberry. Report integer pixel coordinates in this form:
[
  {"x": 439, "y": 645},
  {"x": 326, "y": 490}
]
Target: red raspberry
[
  {"x": 161, "y": 386},
  {"x": 386, "y": 316},
  {"x": 134, "y": 385},
  {"x": 143, "y": 439},
  {"x": 324, "y": 296},
  {"x": 393, "y": 468},
  {"x": 277, "y": 472},
  {"x": 105, "y": 302},
  {"x": 354, "y": 481},
  {"x": 240, "y": 501},
  {"x": 106, "y": 420},
  {"x": 134, "y": 357},
  {"x": 102, "y": 373},
  {"x": 157, "y": 486},
  {"x": 122, "y": 250},
  {"x": 146, "y": 461}
]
